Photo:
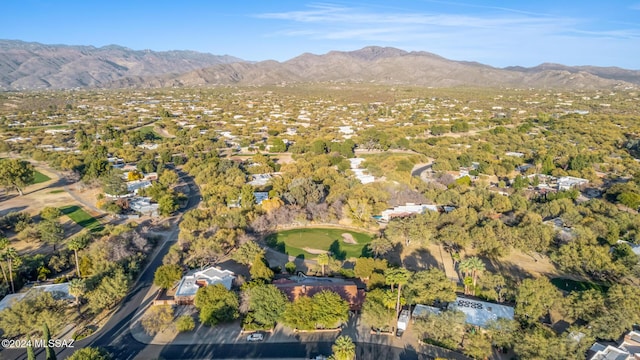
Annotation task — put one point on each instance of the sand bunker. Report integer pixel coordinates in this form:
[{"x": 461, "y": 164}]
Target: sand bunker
[
  {"x": 348, "y": 238},
  {"x": 314, "y": 251}
]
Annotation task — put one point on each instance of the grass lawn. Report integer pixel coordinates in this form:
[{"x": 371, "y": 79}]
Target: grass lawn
[
  {"x": 81, "y": 217},
  {"x": 293, "y": 242},
  {"x": 572, "y": 285},
  {"x": 39, "y": 177},
  {"x": 147, "y": 132}
]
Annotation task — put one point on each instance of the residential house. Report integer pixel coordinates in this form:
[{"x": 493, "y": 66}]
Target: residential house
[
  {"x": 570, "y": 182},
  {"x": 58, "y": 291},
  {"x": 479, "y": 313},
  {"x": 406, "y": 210},
  {"x": 190, "y": 283},
  {"x": 629, "y": 349},
  {"x": 297, "y": 286}
]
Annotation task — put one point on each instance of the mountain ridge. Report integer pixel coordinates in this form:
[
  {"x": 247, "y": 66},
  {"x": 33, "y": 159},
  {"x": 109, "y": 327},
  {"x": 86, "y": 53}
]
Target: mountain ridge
[{"x": 25, "y": 65}]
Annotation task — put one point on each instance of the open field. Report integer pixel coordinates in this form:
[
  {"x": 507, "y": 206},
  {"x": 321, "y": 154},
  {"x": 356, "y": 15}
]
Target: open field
[
  {"x": 81, "y": 217},
  {"x": 309, "y": 242}
]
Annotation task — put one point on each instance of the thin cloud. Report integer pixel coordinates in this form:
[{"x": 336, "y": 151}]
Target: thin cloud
[{"x": 339, "y": 22}]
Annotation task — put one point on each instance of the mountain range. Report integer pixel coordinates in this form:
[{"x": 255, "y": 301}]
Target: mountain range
[{"x": 25, "y": 66}]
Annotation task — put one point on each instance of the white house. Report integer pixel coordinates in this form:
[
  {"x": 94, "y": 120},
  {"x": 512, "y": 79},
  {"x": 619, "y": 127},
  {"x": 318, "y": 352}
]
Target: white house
[
  {"x": 58, "y": 291},
  {"x": 189, "y": 284},
  {"x": 569, "y": 182},
  {"x": 405, "y": 210},
  {"x": 479, "y": 313}
]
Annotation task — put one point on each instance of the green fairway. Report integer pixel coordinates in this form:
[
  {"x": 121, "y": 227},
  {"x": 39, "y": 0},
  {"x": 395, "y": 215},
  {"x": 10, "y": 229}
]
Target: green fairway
[
  {"x": 148, "y": 133},
  {"x": 39, "y": 177},
  {"x": 572, "y": 285},
  {"x": 294, "y": 242},
  {"x": 81, "y": 217}
]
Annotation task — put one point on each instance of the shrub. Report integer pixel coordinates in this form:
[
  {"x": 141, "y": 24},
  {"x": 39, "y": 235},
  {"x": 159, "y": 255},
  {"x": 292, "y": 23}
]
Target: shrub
[{"x": 185, "y": 323}]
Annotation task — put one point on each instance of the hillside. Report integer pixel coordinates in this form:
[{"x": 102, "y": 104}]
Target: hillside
[
  {"x": 35, "y": 66},
  {"x": 392, "y": 67},
  {"x": 25, "y": 65}
]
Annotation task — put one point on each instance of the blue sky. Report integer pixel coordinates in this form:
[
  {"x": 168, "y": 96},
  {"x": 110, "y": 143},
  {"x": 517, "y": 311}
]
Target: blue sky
[{"x": 498, "y": 33}]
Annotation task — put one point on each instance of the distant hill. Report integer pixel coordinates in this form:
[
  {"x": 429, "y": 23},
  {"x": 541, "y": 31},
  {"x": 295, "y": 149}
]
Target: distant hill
[
  {"x": 31, "y": 65},
  {"x": 27, "y": 65}
]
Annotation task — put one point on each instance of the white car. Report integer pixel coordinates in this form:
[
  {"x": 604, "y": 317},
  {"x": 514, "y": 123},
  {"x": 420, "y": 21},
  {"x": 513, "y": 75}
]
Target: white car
[{"x": 255, "y": 337}]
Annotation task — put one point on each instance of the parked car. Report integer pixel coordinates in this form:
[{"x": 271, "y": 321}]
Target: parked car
[{"x": 255, "y": 337}]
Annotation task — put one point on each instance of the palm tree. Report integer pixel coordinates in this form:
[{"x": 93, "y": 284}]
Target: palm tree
[
  {"x": 77, "y": 288},
  {"x": 78, "y": 243},
  {"x": 10, "y": 255},
  {"x": 4, "y": 243},
  {"x": 472, "y": 266},
  {"x": 343, "y": 349},
  {"x": 397, "y": 276},
  {"x": 322, "y": 260}
]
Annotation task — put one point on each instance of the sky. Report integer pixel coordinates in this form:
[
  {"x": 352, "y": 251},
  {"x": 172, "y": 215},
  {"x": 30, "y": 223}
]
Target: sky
[{"x": 497, "y": 33}]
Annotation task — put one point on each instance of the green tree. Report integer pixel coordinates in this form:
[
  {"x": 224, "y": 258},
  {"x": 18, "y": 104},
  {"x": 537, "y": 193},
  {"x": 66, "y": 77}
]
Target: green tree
[
  {"x": 375, "y": 310},
  {"x": 50, "y": 213},
  {"x": 77, "y": 288},
  {"x": 167, "y": 205},
  {"x": 538, "y": 342},
  {"x": 49, "y": 352},
  {"x": 290, "y": 267},
  {"x": 112, "y": 288},
  {"x": 446, "y": 328},
  {"x": 10, "y": 255},
  {"x": 397, "y": 276},
  {"x": 323, "y": 260},
  {"x": 76, "y": 244},
  {"x": 260, "y": 270},
  {"x": 425, "y": 287},
  {"x": 89, "y": 353},
  {"x": 51, "y": 232},
  {"x": 329, "y": 309},
  {"x": 299, "y": 314},
  {"x": 4, "y": 244},
  {"x": 247, "y": 253},
  {"x": 113, "y": 184},
  {"x": 157, "y": 318},
  {"x": 168, "y": 178},
  {"x": 27, "y": 315},
  {"x": 185, "y": 323},
  {"x": 266, "y": 303},
  {"x": 17, "y": 174},
  {"x": 622, "y": 312},
  {"x": 343, "y": 349},
  {"x": 167, "y": 275},
  {"x": 31, "y": 355},
  {"x": 472, "y": 266},
  {"x": 629, "y": 199},
  {"x": 503, "y": 332},
  {"x": 247, "y": 198},
  {"x": 277, "y": 145},
  {"x": 535, "y": 298},
  {"x": 216, "y": 304},
  {"x": 477, "y": 345}
]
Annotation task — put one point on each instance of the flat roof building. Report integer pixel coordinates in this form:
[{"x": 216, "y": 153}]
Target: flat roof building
[
  {"x": 189, "y": 284},
  {"x": 479, "y": 313}
]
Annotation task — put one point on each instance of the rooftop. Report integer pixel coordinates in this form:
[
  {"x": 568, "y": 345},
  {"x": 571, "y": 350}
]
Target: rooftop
[
  {"x": 479, "y": 313},
  {"x": 189, "y": 284}
]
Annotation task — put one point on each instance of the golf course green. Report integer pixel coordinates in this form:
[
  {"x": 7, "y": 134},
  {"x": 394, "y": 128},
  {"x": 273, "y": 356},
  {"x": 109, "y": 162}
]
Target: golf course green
[{"x": 308, "y": 243}]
